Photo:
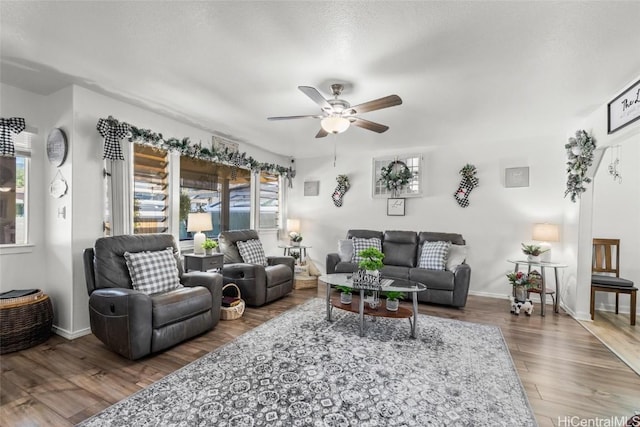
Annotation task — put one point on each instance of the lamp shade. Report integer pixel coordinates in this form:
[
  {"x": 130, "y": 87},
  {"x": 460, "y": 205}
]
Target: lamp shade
[
  {"x": 335, "y": 124},
  {"x": 200, "y": 221},
  {"x": 546, "y": 233},
  {"x": 293, "y": 225}
]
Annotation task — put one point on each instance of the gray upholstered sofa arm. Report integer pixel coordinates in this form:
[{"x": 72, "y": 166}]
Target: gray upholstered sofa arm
[
  {"x": 462, "y": 277},
  {"x": 211, "y": 281},
  {"x": 332, "y": 260},
  {"x": 250, "y": 278},
  {"x": 122, "y": 319},
  {"x": 289, "y": 261}
]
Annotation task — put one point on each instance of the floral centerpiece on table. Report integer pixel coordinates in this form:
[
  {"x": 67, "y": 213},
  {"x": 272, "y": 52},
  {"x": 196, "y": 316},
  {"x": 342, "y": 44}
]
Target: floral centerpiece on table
[
  {"x": 295, "y": 237},
  {"x": 521, "y": 283}
]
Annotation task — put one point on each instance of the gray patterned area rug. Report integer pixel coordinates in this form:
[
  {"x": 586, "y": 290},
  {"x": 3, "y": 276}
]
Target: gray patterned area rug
[{"x": 300, "y": 370}]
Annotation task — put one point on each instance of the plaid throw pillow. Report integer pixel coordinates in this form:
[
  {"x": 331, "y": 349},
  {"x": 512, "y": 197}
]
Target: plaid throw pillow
[
  {"x": 252, "y": 252},
  {"x": 360, "y": 244},
  {"x": 434, "y": 255},
  {"x": 153, "y": 272}
]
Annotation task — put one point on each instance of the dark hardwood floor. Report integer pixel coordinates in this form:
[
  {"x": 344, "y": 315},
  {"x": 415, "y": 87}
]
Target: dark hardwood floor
[{"x": 564, "y": 369}]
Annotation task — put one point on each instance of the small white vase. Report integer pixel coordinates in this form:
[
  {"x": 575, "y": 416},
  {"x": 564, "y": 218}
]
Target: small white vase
[
  {"x": 346, "y": 298},
  {"x": 392, "y": 304},
  {"x": 533, "y": 258},
  {"x": 295, "y": 243}
]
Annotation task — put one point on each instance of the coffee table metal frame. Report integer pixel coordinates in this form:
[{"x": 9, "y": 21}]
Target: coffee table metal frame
[{"x": 401, "y": 285}]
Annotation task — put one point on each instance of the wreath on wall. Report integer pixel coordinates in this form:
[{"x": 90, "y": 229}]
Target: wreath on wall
[
  {"x": 580, "y": 154},
  {"x": 395, "y": 175}
]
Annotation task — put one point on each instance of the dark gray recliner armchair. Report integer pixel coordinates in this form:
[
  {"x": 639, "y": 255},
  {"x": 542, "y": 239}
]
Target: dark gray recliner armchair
[
  {"x": 259, "y": 284},
  {"x": 133, "y": 323}
]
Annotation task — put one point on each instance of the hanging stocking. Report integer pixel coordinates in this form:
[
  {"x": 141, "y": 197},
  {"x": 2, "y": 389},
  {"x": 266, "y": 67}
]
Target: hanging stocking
[
  {"x": 468, "y": 183},
  {"x": 14, "y": 125},
  {"x": 341, "y": 189},
  {"x": 112, "y": 131}
]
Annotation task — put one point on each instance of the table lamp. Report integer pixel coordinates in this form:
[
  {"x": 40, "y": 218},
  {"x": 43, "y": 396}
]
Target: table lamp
[
  {"x": 199, "y": 222},
  {"x": 545, "y": 233},
  {"x": 293, "y": 225}
]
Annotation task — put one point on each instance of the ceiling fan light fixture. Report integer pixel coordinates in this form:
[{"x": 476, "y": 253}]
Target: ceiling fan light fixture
[{"x": 335, "y": 124}]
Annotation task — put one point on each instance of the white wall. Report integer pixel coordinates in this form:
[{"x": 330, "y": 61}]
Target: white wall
[
  {"x": 494, "y": 225},
  {"x": 55, "y": 262}
]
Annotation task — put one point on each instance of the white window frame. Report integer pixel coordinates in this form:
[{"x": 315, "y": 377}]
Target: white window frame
[
  {"x": 22, "y": 145},
  {"x": 413, "y": 161}
]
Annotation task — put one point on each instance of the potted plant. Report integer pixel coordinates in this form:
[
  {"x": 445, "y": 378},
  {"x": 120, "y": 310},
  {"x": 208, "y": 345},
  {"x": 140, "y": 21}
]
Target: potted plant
[
  {"x": 209, "y": 245},
  {"x": 345, "y": 294},
  {"x": 533, "y": 252},
  {"x": 392, "y": 300},
  {"x": 295, "y": 238},
  {"x": 521, "y": 284},
  {"x": 372, "y": 261}
]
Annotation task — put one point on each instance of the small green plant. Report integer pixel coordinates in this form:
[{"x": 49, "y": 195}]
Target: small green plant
[
  {"x": 395, "y": 295},
  {"x": 372, "y": 259},
  {"x": 209, "y": 244},
  {"x": 534, "y": 250},
  {"x": 345, "y": 290}
]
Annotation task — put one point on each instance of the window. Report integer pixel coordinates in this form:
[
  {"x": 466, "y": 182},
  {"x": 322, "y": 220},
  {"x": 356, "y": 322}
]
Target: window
[
  {"x": 14, "y": 175},
  {"x": 150, "y": 190},
  {"x": 221, "y": 190},
  {"x": 413, "y": 163},
  {"x": 269, "y": 198}
]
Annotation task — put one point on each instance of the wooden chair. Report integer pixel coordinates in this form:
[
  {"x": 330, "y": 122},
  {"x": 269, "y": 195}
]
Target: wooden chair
[{"x": 604, "y": 261}]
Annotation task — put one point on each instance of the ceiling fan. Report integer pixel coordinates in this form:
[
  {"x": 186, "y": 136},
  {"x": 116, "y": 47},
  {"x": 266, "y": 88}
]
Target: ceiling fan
[{"x": 337, "y": 114}]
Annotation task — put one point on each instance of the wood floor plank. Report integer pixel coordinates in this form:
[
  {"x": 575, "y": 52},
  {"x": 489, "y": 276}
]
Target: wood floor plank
[{"x": 564, "y": 369}]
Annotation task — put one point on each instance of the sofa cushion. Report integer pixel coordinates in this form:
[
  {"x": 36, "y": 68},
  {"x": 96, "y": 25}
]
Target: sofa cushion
[
  {"x": 345, "y": 250},
  {"x": 153, "y": 271},
  {"x": 228, "y": 243},
  {"x": 433, "y": 279},
  {"x": 252, "y": 252},
  {"x": 434, "y": 255},
  {"x": 456, "y": 256},
  {"x": 360, "y": 244},
  {"x": 345, "y": 267},
  {"x": 400, "y": 248},
  {"x": 179, "y": 304},
  {"x": 395, "y": 271},
  {"x": 364, "y": 234}
]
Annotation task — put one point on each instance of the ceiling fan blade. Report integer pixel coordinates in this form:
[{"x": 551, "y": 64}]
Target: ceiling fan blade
[
  {"x": 322, "y": 133},
  {"x": 316, "y": 97},
  {"x": 366, "y": 124},
  {"x": 377, "y": 104},
  {"x": 296, "y": 117}
]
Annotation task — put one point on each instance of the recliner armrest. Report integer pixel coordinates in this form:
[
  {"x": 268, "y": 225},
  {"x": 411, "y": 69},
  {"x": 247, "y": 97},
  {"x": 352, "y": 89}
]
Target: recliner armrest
[
  {"x": 122, "y": 319},
  {"x": 211, "y": 281},
  {"x": 286, "y": 260},
  {"x": 462, "y": 277}
]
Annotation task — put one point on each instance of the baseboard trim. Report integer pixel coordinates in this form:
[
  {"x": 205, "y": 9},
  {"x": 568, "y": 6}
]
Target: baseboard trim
[{"x": 70, "y": 335}]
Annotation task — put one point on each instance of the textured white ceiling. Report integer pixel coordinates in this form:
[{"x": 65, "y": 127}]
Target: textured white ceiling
[{"x": 465, "y": 70}]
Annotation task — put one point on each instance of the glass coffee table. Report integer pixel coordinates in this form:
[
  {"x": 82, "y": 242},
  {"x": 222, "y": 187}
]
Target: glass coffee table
[{"x": 358, "y": 303}]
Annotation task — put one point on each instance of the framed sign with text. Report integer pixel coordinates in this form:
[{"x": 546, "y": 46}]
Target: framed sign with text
[
  {"x": 395, "y": 207},
  {"x": 624, "y": 109}
]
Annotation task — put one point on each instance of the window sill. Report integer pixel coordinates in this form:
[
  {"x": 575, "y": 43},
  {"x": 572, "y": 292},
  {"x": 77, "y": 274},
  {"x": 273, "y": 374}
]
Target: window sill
[{"x": 16, "y": 249}]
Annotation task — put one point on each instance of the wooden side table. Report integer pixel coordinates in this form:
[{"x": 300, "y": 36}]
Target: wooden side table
[{"x": 203, "y": 262}]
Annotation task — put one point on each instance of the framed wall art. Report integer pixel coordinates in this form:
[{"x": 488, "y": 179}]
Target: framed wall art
[
  {"x": 395, "y": 207},
  {"x": 516, "y": 177},
  {"x": 412, "y": 189},
  {"x": 624, "y": 109},
  {"x": 311, "y": 188}
]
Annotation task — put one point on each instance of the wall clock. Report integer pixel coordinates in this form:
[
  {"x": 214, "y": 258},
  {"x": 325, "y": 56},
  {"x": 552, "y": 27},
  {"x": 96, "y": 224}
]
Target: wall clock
[{"x": 57, "y": 147}]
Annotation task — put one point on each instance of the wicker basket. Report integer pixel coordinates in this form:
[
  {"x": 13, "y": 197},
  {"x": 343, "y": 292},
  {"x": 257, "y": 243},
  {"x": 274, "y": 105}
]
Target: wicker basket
[
  {"x": 25, "y": 322},
  {"x": 235, "y": 312}
]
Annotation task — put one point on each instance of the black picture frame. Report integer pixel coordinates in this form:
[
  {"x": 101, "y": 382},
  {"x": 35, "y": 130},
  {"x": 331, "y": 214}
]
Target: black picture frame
[
  {"x": 395, "y": 207},
  {"x": 626, "y": 104}
]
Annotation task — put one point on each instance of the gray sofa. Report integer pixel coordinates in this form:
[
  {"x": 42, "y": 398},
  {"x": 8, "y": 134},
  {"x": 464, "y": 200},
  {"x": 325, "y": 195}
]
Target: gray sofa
[
  {"x": 135, "y": 324},
  {"x": 402, "y": 251}
]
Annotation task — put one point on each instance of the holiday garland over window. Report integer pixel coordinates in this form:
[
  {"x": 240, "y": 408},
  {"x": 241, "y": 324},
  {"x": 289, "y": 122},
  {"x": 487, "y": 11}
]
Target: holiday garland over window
[
  {"x": 197, "y": 151},
  {"x": 580, "y": 153}
]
